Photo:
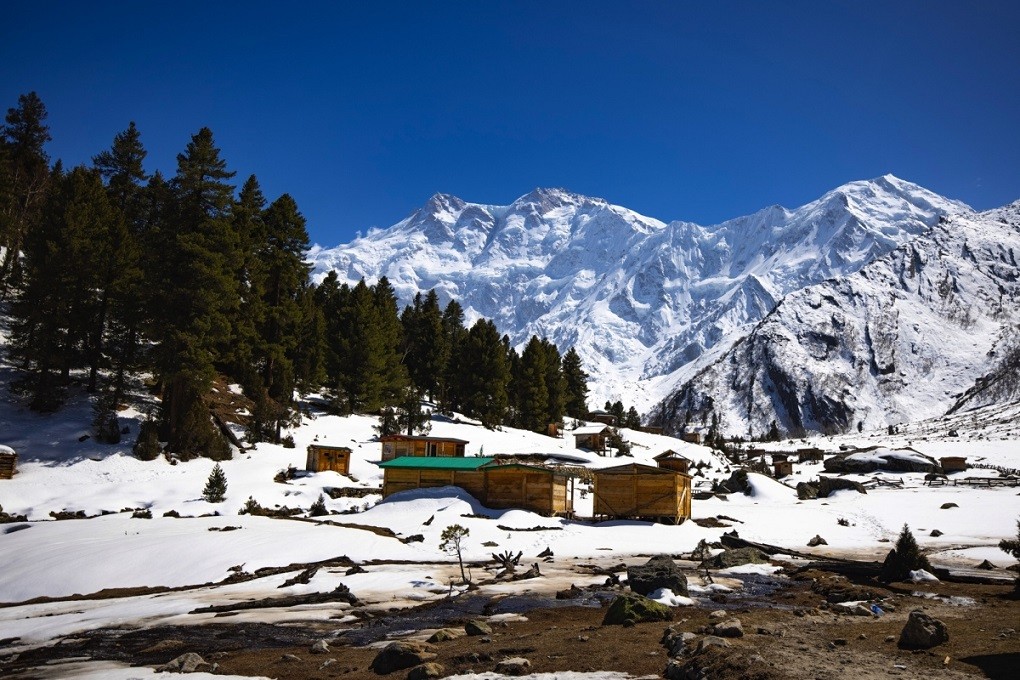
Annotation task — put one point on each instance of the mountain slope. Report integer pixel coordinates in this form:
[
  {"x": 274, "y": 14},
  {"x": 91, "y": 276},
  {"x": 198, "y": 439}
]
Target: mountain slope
[
  {"x": 899, "y": 340},
  {"x": 645, "y": 303}
]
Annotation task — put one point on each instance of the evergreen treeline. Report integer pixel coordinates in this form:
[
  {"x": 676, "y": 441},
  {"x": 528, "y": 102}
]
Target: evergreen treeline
[{"x": 108, "y": 270}]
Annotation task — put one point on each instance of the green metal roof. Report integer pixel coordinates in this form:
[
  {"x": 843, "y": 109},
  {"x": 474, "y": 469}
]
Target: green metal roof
[{"x": 437, "y": 463}]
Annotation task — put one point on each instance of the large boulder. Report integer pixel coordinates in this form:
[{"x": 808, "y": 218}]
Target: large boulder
[
  {"x": 923, "y": 632},
  {"x": 806, "y": 491},
  {"x": 186, "y": 663},
  {"x": 737, "y": 483},
  {"x": 397, "y": 656},
  {"x": 828, "y": 485},
  {"x": 426, "y": 671},
  {"x": 629, "y": 609},
  {"x": 476, "y": 627},
  {"x": 734, "y": 558},
  {"x": 515, "y": 666},
  {"x": 659, "y": 572}
]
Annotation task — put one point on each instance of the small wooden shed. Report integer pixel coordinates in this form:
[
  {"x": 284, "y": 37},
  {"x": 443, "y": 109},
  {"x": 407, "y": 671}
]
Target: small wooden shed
[
  {"x": 954, "y": 464},
  {"x": 8, "y": 462},
  {"x": 779, "y": 457},
  {"x": 811, "y": 455},
  {"x": 603, "y": 417},
  {"x": 322, "y": 458},
  {"x": 418, "y": 472},
  {"x": 692, "y": 437},
  {"x": 397, "y": 445},
  {"x": 782, "y": 468},
  {"x": 591, "y": 437},
  {"x": 641, "y": 491},
  {"x": 539, "y": 489},
  {"x": 671, "y": 460}
]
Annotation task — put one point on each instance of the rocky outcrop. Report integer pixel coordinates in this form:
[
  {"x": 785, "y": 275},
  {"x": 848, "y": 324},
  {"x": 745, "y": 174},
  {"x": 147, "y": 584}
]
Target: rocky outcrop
[
  {"x": 923, "y": 632},
  {"x": 627, "y": 610},
  {"x": 658, "y": 572},
  {"x": 398, "y": 656}
]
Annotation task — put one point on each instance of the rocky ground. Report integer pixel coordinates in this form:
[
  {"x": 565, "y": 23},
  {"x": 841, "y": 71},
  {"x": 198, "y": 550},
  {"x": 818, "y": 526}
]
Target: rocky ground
[{"x": 795, "y": 630}]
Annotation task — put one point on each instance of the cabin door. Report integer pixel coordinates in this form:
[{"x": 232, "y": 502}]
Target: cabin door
[{"x": 433, "y": 449}]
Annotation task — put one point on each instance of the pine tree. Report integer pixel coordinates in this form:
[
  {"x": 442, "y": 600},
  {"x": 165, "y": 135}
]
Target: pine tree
[
  {"x": 534, "y": 406},
  {"x": 904, "y": 558},
  {"x": 393, "y": 377},
  {"x": 555, "y": 383},
  {"x": 249, "y": 225},
  {"x": 199, "y": 296},
  {"x": 452, "y": 387},
  {"x": 24, "y": 136},
  {"x": 575, "y": 403},
  {"x": 1011, "y": 546},
  {"x": 216, "y": 486},
  {"x": 485, "y": 373},
  {"x": 412, "y": 418},
  {"x": 632, "y": 419}
]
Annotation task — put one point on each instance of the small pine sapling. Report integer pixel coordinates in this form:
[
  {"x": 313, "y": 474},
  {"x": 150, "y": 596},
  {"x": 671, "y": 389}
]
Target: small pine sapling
[
  {"x": 452, "y": 542},
  {"x": 1012, "y": 546},
  {"x": 216, "y": 486},
  {"x": 318, "y": 508},
  {"x": 904, "y": 558}
]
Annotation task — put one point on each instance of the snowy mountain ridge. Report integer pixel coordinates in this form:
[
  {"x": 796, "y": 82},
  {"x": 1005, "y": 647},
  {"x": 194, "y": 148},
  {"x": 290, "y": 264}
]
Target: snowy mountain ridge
[{"x": 646, "y": 303}]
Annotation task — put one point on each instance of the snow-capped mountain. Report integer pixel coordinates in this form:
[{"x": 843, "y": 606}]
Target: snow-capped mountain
[
  {"x": 905, "y": 337},
  {"x": 646, "y": 304}
]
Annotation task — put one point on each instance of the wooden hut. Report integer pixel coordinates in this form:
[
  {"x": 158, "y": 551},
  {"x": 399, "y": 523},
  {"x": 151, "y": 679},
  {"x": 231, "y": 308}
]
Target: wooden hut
[
  {"x": 419, "y": 472},
  {"x": 539, "y": 489},
  {"x": 810, "y": 455},
  {"x": 779, "y": 457},
  {"x": 692, "y": 437},
  {"x": 953, "y": 464},
  {"x": 603, "y": 417},
  {"x": 651, "y": 429},
  {"x": 671, "y": 460},
  {"x": 642, "y": 491},
  {"x": 8, "y": 462},
  {"x": 321, "y": 458},
  {"x": 397, "y": 445},
  {"x": 782, "y": 468},
  {"x": 591, "y": 437}
]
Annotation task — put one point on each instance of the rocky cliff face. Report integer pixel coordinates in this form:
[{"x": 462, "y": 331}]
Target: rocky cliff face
[{"x": 930, "y": 324}]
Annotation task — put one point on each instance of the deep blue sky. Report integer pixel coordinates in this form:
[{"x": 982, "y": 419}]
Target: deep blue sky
[{"x": 679, "y": 110}]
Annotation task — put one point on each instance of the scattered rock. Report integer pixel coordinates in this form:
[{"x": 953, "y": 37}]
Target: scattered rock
[
  {"x": 734, "y": 558},
  {"x": 186, "y": 663},
  {"x": 807, "y": 492},
  {"x": 718, "y": 615},
  {"x": 710, "y": 641},
  {"x": 290, "y": 658},
  {"x": 356, "y": 569},
  {"x": 840, "y": 642},
  {"x": 413, "y": 538},
  {"x": 659, "y": 572},
  {"x": 426, "y": 671},
  {"x": 443, "y": 635},
  {"x": 935, "y": 533},
  {"x": 947, "y": 506},
  {"x": 397, "y": 656},
  {"x": 986, "y": 565},
  {"x": 518, "y": 665},
  {"x": 476, "y": 627},
  {"x": 546, "y": 553},
  {"x": 923, "y": 632},
  {"x": 677, "y": 642},
  {"x": 828, "y": 485},
  {"x": 731, "y": 628},
  {"x": 817, "y": 541},
  {"x": 319, "y": 647},
  {"x": 737, "y": 483},
  {"x": 635, "y": 609}
]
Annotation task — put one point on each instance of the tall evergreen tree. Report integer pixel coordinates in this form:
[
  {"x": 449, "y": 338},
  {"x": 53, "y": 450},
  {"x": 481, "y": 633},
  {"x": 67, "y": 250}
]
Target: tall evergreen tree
[
  {"x": 576, "y": 397},
  {"x": 25, "y": 177},
  {"x": 199, "y": 296},
  {"x": 555, "y": 383},
  {"x": 452, "y": 388},
  {"x": 534, "y": 406},
  {"x": 485, "y": 374},
  {"x": 249, "y": 225}
]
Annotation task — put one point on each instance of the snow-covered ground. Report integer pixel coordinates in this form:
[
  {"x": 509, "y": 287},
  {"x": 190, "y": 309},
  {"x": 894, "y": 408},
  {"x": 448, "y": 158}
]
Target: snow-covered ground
[{"x": 193, "y": 554}]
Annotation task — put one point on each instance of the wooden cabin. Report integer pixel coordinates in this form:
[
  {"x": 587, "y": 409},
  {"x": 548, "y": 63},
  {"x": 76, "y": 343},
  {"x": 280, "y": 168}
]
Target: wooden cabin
[
  {"x": 779, "y": 457},
  {"x": 510, "y": 485},
  {"x": 420, "y": 472},
  {"x": 671, "y": 460},
  {"x": 539, "y": 489},
  {"x": 321, "y": 458},
  {"x": 641, "y": 491},
  {"x": 603, "y": 417},
  {"x": 810, "y": 455},
  {"x": 397, "y": 445},
  {"x": 651, "y": 429},
  {"x": 591, "y": 437},
  {"x": 692, "y": 437},
  {"x": 8, "y": 462},
  {"x": 782, "y": 468},
  {"x": 953, "y": 464}
]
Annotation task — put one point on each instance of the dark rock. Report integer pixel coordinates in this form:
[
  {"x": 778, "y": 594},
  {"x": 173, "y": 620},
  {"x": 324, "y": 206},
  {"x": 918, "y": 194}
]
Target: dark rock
[
  {"x": 443, "y": 635},
  {"x": 426, "y": 671},
  {"x": 923, "y": 632},
  {"x": 737, "y": 483},
  {"x": 397, "y": 656},
  {"x": 731, "y": 628},
  {"x": 677, "y": 642},
  {"x": 319, "y": 647},
  {"x": 413, "y": 538},
  {"x": 986, "y": 565},
  {"x": 635, "y": 609},
  {"x": 546, "y": 553},
  {"x": 947, "y": 506},
  {"x": 710, "y": 641},
  {"x": 659, "y": 572},
  {"x": 807, "y": 491},
  {"x": 571, "y": 593},
  {"x": 817, "y": 541},
  {"x": 735, "y": 557},
  {"x": 172, "y": 513},
  {"x": 935, "y": 533},
  {"x": 518, "y": 665},
  {"x": 828, "y": 485},
  {"x": 290, "y": 658},
  {"x": 477, "y": 628},
  {"x": 186, "y": 663}
]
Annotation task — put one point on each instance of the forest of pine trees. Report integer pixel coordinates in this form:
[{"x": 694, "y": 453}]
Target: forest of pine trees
[{"x": 108, "y": 272}]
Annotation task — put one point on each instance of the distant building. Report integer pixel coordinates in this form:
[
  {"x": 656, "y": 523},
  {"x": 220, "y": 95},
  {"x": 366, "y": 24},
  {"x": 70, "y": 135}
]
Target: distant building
[
  {"x": 782, "y": 468},
  {"x": 321, "y": 458},
  {"x": 954, "y": 464},
  {"x": 397, "y": 445},
  {"x": 810, "y": 455},
  {"x": 8, "y": 462},
  {"x": 692, "y": 437},
  {"x": 602, "y": 417},
  {"x": 640, "y": 491},
  {"x": 592, "y": 437},
  {"x": 671, "y": 460}
]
